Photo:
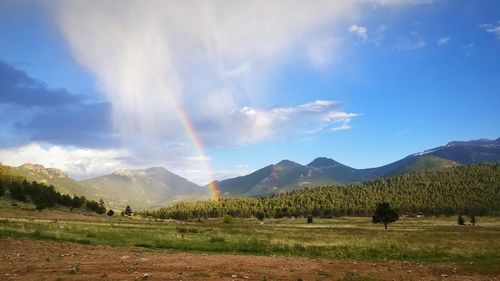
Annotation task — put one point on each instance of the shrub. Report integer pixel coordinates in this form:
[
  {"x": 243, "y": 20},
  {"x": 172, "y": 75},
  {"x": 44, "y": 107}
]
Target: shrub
[
  {"x": 309, "y": 219},
  {"x": 260, "y": 215},
  {"x": 227, "y": 219},
  {"x": 460, "y": 220},
  {"x": 128, "y": 211}
]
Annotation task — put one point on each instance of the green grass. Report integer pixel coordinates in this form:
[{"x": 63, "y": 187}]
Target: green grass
[{"x": 412, "y": 239}]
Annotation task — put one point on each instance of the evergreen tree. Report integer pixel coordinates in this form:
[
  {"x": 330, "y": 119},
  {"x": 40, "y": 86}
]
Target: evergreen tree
[
  {"x": 110, "y": 213},
  {"x": 460, "y": 220},
  {"x": 260, "y": 215},
  {"x": 309, "y": 219},
  {"x": 128, "y": 211},
  {"x": 473, "y": 220},
  {"x": 384, "y": 214},
  {"x": 101, "y": 208}
]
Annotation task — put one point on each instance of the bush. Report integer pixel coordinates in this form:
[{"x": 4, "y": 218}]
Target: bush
[
  {"x": 460, "y": 220},
  {"x": 128, "y": 211},
  {"x": 227, "y": 219},
  {"x": 110, "y": 213},
  {"x": 260, "y": 215},
  {"x": 309, "y": 219}
]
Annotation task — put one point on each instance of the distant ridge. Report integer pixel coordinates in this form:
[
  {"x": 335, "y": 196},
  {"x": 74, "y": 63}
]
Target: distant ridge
[
  {"x": 156, "y": 186},
  {"x": 287, "y": 175}
]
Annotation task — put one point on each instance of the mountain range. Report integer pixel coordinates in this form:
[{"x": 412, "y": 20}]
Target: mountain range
[{"x": 154, "y": 187}]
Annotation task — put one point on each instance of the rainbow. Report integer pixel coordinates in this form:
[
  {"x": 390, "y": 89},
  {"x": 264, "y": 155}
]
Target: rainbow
[{"x": 198, "y": 144}]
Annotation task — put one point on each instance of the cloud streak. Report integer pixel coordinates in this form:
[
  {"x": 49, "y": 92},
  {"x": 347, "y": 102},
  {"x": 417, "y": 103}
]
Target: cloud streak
[
  {"x": 360, "y": 31},
  {"x": 443, "y": 41}
]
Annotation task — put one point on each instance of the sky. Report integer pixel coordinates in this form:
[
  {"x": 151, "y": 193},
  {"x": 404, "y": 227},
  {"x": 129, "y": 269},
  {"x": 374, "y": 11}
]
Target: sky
[{"x": 217, "y": 89}]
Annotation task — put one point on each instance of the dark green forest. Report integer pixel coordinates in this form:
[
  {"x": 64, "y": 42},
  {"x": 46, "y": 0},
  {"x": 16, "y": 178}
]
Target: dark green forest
[
  {"x": 472, "y": 189},
  {"x": 42, "y": 195}
]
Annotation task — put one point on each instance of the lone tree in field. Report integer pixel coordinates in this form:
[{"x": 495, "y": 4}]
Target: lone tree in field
[
  {"x": 309, "y": 219},
  {"x": 473, "y": 220},
  {"x": 128, "y": 211},
  {"x": 110, "y": 213},
  {"x": 384, "y": 214},
  {"x": 260, "y": 215},
  {"x": 460, "y": 220}
]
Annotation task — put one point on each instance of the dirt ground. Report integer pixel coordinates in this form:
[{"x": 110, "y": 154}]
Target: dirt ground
[{"x": 24, "y": 259}]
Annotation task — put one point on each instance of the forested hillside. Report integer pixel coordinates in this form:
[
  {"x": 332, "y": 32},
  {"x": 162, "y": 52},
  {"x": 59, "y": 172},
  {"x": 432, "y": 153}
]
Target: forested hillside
[
  {"x": 472, "y": 189},
  {"x": 40, "y": 194}
]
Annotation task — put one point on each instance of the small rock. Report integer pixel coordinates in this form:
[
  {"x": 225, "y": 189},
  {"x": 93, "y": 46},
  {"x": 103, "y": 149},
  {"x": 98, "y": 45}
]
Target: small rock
[
  {"x": 143, "y": 259},
  {"x": 444, "y": 275},
  {"x": 245, "y": 277},
  {"x": 72, "y": 270},
  {"x": 146, "y": 275},
  {"x": 234, "y": 276},
  {"x": 125, "y": 257}
]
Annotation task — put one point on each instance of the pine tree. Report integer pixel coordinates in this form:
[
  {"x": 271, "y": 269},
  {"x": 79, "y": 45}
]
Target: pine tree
[
  {"x": 384, "y": 214},
  {"x": 128, "y": 211},
  {"x": 473, "y": 220}
]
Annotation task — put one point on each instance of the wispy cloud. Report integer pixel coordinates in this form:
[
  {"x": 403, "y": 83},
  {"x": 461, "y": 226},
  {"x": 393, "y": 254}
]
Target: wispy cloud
[
  {"x": 414, "y": 41},
  {"x": 360, "y": 31},
  {"x": 469, "y": 49},
  {"x": 250, "y": 125},
  {"x": 341, "y": 128},
  {"x": 443, "y": 41},
  {"x": 492, "y": 28}
]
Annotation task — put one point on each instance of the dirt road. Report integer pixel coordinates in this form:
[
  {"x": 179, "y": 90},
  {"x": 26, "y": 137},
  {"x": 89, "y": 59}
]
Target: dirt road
[{"x": 23, "y": 259}]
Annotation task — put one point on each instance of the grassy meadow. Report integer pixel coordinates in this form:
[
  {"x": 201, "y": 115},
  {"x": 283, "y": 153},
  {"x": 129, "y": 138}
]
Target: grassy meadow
[{"x": 427, "y": 239}]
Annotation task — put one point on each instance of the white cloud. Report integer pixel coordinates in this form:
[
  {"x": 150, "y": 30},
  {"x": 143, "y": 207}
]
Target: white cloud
[
  {"x": 321, "y": 52},
  {"x": 443, "y": 41},
  {"x": 341, "y": 128},
  {"x": 250, "y": 125},
  {"x": 469, "y": 49},
  {"x": 492, "y": 28},
  {"x": 169, "y": 67},
  {"x": 360, "y": 31},
  {"x": 77, "y": 162},
  {"x": 414, "y": 41}
]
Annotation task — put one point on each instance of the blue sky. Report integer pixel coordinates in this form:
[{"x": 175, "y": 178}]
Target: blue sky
[{"x": 91, "y": 87}]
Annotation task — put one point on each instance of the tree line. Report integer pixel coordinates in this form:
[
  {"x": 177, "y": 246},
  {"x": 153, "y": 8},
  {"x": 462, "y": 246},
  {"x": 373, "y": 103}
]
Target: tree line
[
  {"x": 471, "y": 189},
  {"x": 42, "y": 195}
]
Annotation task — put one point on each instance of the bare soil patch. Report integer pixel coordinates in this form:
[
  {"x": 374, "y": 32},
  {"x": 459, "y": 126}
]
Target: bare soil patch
[{"x": 25, "y": 259}]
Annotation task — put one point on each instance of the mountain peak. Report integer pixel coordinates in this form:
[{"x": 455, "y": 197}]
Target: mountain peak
[
  {"x": 287, "y": 163},
  {"x": 129, "y": 173},
  {"x": 323, "y": 162},
  {"x": 37, "y": 168}
]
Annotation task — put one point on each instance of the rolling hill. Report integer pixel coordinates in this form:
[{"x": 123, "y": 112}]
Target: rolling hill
[
  {"x": 138, "y": 188},
  {"x": 143, "y": 188}
]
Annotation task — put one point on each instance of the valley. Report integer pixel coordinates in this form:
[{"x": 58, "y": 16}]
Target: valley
[{"x": 89, "y": 246}]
